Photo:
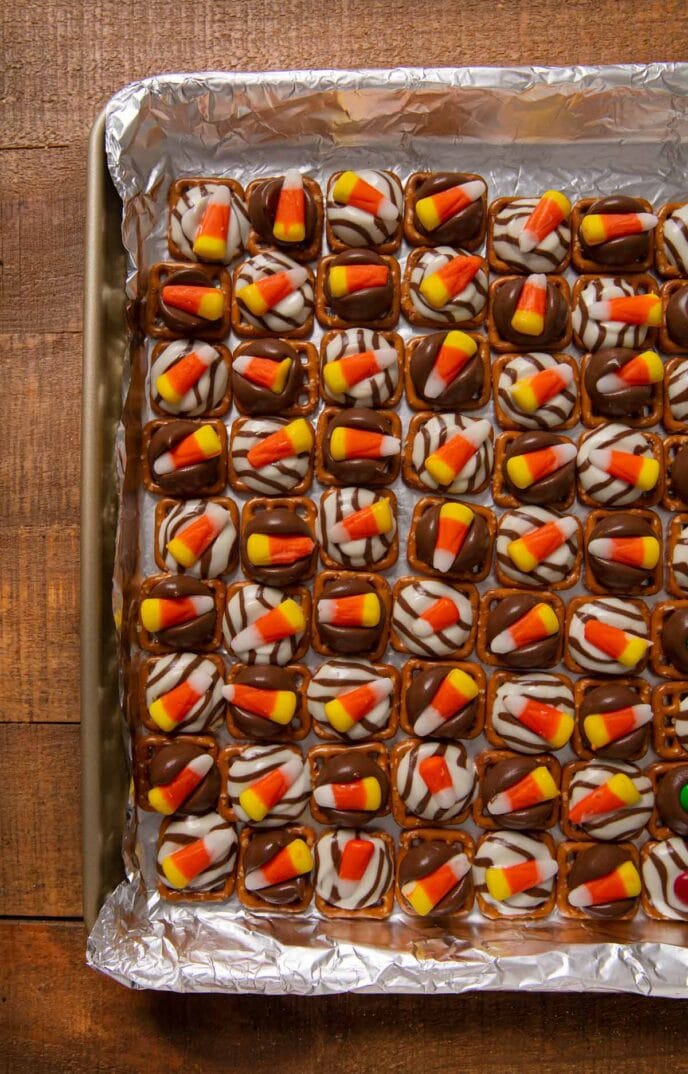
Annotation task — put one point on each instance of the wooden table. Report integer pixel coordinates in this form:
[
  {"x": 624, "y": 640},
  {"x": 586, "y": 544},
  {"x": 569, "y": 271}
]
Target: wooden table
[{"x": 63, "y": 60}]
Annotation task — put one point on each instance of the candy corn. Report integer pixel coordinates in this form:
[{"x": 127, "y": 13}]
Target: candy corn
[
  {"x": 184, "y": 865},
  {"x": 205, "y": 302},
  {"x": 454, "y": 523},
  {"x": 350, "y": 707},
  {"x": 179, "y": 378},
  {"x": 370, "y": 521},
  {"x": 622, "y": 883},
  {"x": 639, "y": 471},
  {"x": 351, "y": 189},
  {"x": 436, "y": 776},
  {"x": 441, "y": 614},
  {"x": 191, "y": 541},
  {"x": 172, "y": 708},
  {"x": 364, "y": 794},
  {"x": 641, "y": 552},
  {"x": 502, "y": 883},
  {"x": 597, "y": 228},
  {"x": 616, "y": 793},
  {"x": 605, "y": 727},
  {"x": 644, "y": 369},
  {"x": 438, "y": 208},
  {"x": 164, "y": 613},
  {"x": 550, "y": 723},
  {"x": 291, "y": 861},
  {"x": 538, "y": 623},
  {"x": 536, "y": 545},
  {"x": 278, "y": 706},
  {"x": 264, "y": 294},
  {"x": 168, "y": 797},
  {"x": 355, "y": 859},
  {"x": 200, "y": 445},
  {"x": 361, "y": 610},
  {"x": 455, "y": 691},
  {"x": 552, "y": 208},
  {"x": 283, "y": 621},
  {"x": 530, "y": 393},
  {"x": 525, "y": 470},
  {"x": 456, "y": 351},
  {"x": 439, "y": 287},
  {"x": 345, "y": 280},
  {"x": 627, "y": 649},
  {"x": 296, "y": 438},
  {"x": 263, "y": 795},
  {"x": 210, "y": 240},
  {"x": 529, "y": 315},
  {"x": 628, "y": 309},
  {"x": 426, "y": 893},
  {"x": 350, "y": 443},
  {"x": 538, "y": 786},
  {"x": 347, "y": 372},
  {"x": 265, "y": 550},
  {"x": 263, "y": 372},
  {"x": 445, "y": 464},
  {"x": 290, "y": 217}
]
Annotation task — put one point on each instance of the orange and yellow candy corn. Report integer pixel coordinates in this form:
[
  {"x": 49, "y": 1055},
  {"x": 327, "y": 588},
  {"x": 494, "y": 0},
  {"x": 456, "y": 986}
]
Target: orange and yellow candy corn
[
  {"x": 345, "y": 280},
  {"x": 364, "y": 794},
  {"x": 191, "y": 541},
  {"x": 205, "y": 302},
  {"x": 530, "y": 393},
  {"x": 436, "y": 776},
  {"x": 538, "y": 623},
  {"x": 646, "y": 368},
  {"x": 618, "y": 792},
  {"x": 597, "y": 228},
  {"x": 370, "y": 521},
  {"x": 351, "y": 189},
  {"x": 601, "y": 728},
  {"x": 551, "y": 724},
  {"x": 265, "y": 550},
  {"x": 355, "y": 859},
  {"x": 278, "y": 706},
  {"x": 200, "y": 445},
  {"x": 290, "y": 217},
  {"x": 350, "y": 443},
  {"x": 456, "y": 690},
  {"x": 439, "y": 287},
  {"x": 628, "y": 309},
  {"x": 529, "y": 315},
  {"x": 350, "y": 707},
  {"x": 426, "y": 893},
  {"x": 162, "y": 613},
  {"x": 627, "y": 649},
  {"x": 552, "y": 208},
  {"x": 641, "y": 552},
  {"x": 525, "y": 470},
  {"x": 263, "y": 795},
  {"x": 184, "y": 865},
  {"x": 536, "y": 545},
  {"x": 438, "y": 208},
  {"x": 502, "y": 883},
  {"x": 172, "y": 708},
  {"x": 168, "y": 797},
  {"x": 210, "y": 240},
  {"x": 360, "y": 610},
  {"x": 264, "y": 294},
  {"x": 176, "y": 381},
  {"x": 263, "y": 372},
  {"x": 345, "y": 373},
  {"x": 281, "y": 622},
  {"x": 454, "y": 523},
  {"x": 445, "y": 464},
  {"x": 623, "y": 883},
  {"x": 538, "y": 786},
  {"x": 639, "y": 471},
  {"x": 296, "y": 438},
  {"x": 456, "y": 352},
  {"x": 291, "y": 861},
  {"x": 438, "y": 616}
]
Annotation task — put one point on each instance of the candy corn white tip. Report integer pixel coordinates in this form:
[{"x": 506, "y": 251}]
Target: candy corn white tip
[
  {"x": 387, "y": 210},
  {"x": 201, "y": 765},
  {"x": 422, "y": 629},
  {"x": 200, "y": 681},
  {"x": 434, "y": 385},
  {"x": 548, "y": 868},
  {"x": 612, "y": 382},
  {"x": 220, "y": 196},
  {"x": 474, "y": 189},
  {"x": 602, "y": 548},
  {"x": 442, "y": 560},
  {"x": 600, "y": 311},
  {"x": 228, "y": 692},
  {"x": 499, "y": 805},
  {"x": 389, "y": 445},
  {"x": 580, "y": 897},
  {"x": 477, "y": 432},
  {"x": 164, "y": 464},
  {"x": 445, "y": 798},
  {"x": 241, "y": 363},
  {"x": 503, "y": 643},
  {"x": 565, "y": 453},
  {"x": 515, "y": 704},
  {"x": 384, "y": 356},
  {"x": 293, "y": 180},
  {"x": 339, "y": 534},
  {"x": 298, "y": 275}
]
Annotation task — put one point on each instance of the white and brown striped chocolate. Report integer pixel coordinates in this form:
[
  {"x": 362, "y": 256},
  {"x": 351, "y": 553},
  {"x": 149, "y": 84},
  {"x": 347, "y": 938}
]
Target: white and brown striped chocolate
[
  {"x": 180, "y": 833},
  {"x": 554, "y": 568},
  {"x": 208, "y": 390},
  {"x": 373, "y": 391},
  {"x": 417, "y": 796},
  {"x": 507, "y": 228},
  {"x": 661, "y": 867},
  {"x": 292, "y": 312},
  {"x": 613, "y": 611},
  {"x": 356, "y": 227},
  {"x": 600, "y": 486},
  {"x": 500, "y": 850},
  {"x": 462, "y": 307},
  {"x": 367, "y": 891},
  {"x": 336, "y": 677},
  {"x": 676, "y": 239},
  {"x": 677, "y": 390},
  {"x": 243, "y": 608},
  {"x": 414, "y": 599},
  {"x": 548, "y": 416},
  {"x": 275, "y": 479},
  {"x": 166, "y": 673},
  {"x": 539, "y": 686},
  {"x": 215, "y": 559},
  {"x": 435, "y": 432},
  {"x": 597, "y": 334},
  {"x": 623, "y": 823},
  {"x": 337, "y": 504},
  {"x": 188, "y": 211},
  {"x": 257, "y": 761}
]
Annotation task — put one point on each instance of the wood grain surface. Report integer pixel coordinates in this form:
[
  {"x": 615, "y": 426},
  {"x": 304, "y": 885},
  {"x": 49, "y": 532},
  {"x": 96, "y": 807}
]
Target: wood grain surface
[{"x": 61, "y": 63}]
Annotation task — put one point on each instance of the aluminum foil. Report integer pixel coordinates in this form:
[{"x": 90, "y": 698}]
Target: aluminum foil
[{"x": 583, "y": 129}]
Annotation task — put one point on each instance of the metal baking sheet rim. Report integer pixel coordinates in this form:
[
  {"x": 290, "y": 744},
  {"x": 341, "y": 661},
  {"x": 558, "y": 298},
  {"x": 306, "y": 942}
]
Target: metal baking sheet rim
[{"x": 261, "y": 962}]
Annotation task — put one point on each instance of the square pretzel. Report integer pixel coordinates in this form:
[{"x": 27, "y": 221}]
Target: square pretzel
[
  {"x": 661, "y": 665},
  {"x": 494, "y": 596},
  {"x": 504, "y": 346},
  {"x": 247, "y": 330},
  {"x": 309, "y": 395},
  {"x": 664, "y": 267},
  {"x": 498, "y": 679},
  {"x": 643, "y": 284},
  {"x": 585, "y": 686},
  {"x": 411, "y": 233},
  {"x": 299, "y": 726},
  {"x": 577, "y": 602},
  {"x": 496, "y": 263},
  {"x": 162, "y": 510},
  {"x": 151, "y": 645},
  {"x": 645, "y": 901},
  {"x": 486, "y": 760},
  {"x": 665, "y": 341},
  {"x": 657, "y": 828},
  {"x": 463, "y": 843},
  {"x": 153, "y": 485},
  {"x": 425, "y": 504},
  {"x": 677, "y": 523},
  {"x": 468, "y": 590},
  {"x": 581, "y": 263},
  {"x": 671, "y": 446},
  {"x": 644, "y": 499},
  {"x": 329, "y": 319},
  {"x": 179, "y": 188},
  {"x": 382, "y": 671},
  {"x": 487, "y": 909},
  {"x": 414, "y": 666},
  {"x": 223, "y": 404},
  {"x": 418, "y": 319},
  {"x": 297, "y": 251},
  {"x": 410, "y": 474},
  {"x": 652, "y": 413},
  {"x": 392, "y": 339},
  {"x": 388, "y": 247},
  {"x": 656, "y": 575},
  {"x": 391, "y": 555},
  {"x": 171, "y": 895},
  {"x": 670, "y": 423},
  {"x": 666, "y": 707},
  {"x": 137, "y": 697},
  {"x": 239, "y": 484},
  {"x": 303, "y": 507},
  {"x": 385, "y": 904},
  {"x": 572, "y": 576},
  {"x": 482, "y": 355},
  {"x": 507, "y": 422},
  {"x": 326, "y": 477},
  {"x": 153, "y": 324},
  {"x": 251, "y": 899},
  {"x": 403, "y": 816},
  {"x": 500, "y": 492},
  {"x": 379, "y": 586},
  {"x": 147, "y": 748},
  {"x": 566, "y": 857},
  {"x": 319, "y": 755}
]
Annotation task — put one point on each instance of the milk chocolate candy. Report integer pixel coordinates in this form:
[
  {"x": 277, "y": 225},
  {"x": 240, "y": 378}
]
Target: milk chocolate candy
[
  {"x": 196, "y": 537},
  {"x": 181, "y": 693},
  {"x": 176, "y": 777},
  {"x": 582, "y": 865},
  {"x": 372, "y": 220},
  {"x": 496, "y": 854},
  {"x": 357, "y": 529},
  {"x": 278, "y": 712},
  {"x": 538, "y": 548},
  {"x": 506, "y": 249},
  {"x": 505, "y": 296},
  {"x": 278, "y": 541},
  {"x": 520, "y": 630},
  {"x": 670, "y": 639},
  {"x": 456, "y": 381},
  {"x": 670, "y": 720},
  {"x": 350, "y": 784},
  {"x": 200, "y": 313},
  {"x": 638, "y": 405},
  {"x": 347, "y": 455},
  {"x": 432, "y": 619},
  {"x": 188, "y": 201},
  {"x": 422, "y": 861},
  {"x": 677, "y": 556},
  {"x": 623, "y": 552},
  {"x": 432, "y": 783},
  {"x": 597, "y": 326},
  {"x": 443, "y": 700},
  {"x": 354, "y": 874},
  {"x": 190, "y": 379},
  {"x": 284, "y": 380},
  {"x": 671, "y": 240},
  {"x": 607, "y": 635},
  {"x": 536, "y": 468},
  {"x": 624, "y": 735},
  {"x": 670, "y": 784},
  {"x": 358, "y": 287},
  {"x": 269, "y": 876},
  {"x": 459, "y": 300},
  {"x": 457, "y": 219},
  {"x": 675, "y": 449},
  {"x": 354, "y": 700},
  {"x": 513, "y": 723},
  {"x": 673, "y": 333},
  {"x": 452, "y": 541},
  {"x": 665, "y": 879},
  {"x": 351, "y": 613},
  {"x": 515, "y": 792},
  {"x": 374, "y": 381},
  {"x": 620, "y": 467},
  {"x": 675, "y": 413},
  {"x": 632, "y": 252},
  {"x": 605, "y": 800},
  {"x": 536, "y": 391},
  {"x": 179, "y": 612},
  {"x": 272, "y": 296},
  {"x": 185, "y": 459},
  {"x": 214, "y": 842},
  {"x": 263, "y": 199}
]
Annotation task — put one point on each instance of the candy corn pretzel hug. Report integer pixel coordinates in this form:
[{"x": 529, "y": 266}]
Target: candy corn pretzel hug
[
  {"x": 193, "y": 538},
  {"x": 365, "y": 614},
  {"x": 361, "y": 796},
  {"x": 295, "y": 860},
  {"x": 542, "y": 621},
  {"x": 359, "y": 366},
  {"x": 643, "y": 369},
  {"x": 177, "y": 389},
  {"x": 207, "y": 300},
  {"x": 432, "y": 893},
  {"x": 348, "y": 873},
  {"x": 600, "y": 228},
  {"x": 219, "y": 230},
  {"x": 607, "y": 636},
  {"x": 279, "y": 544},
  {"x": 275, "y": 696},
  {"x": 292, "y": 211},
  {"x": 170, "y": 603},
  {"x": 171, "y": 796},
  {"x": 343, "y": 280},
  {"x": 597, "y": 730},
  {"x": 620, "y": 884},
  {"x": 509, "y": 865},
  {"x": 531, "y": 393},
  {"x": 196, "y": 859},
  {"x": 536, "y": 787},
  {"x": 638, "y": 552},
  {"x": 433, "y": 212},
  {"x": 455, "y": 522},
  {"x": 456, "y": 355},
  {"x": 460, "y": 686},
  {"x": 539, "y": 230},
  {"x": 530, "y": 314},
  {"x": 199, "y": 442}
]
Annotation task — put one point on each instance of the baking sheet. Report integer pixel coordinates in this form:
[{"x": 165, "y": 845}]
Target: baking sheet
[{"x": 582, "y": 129}]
